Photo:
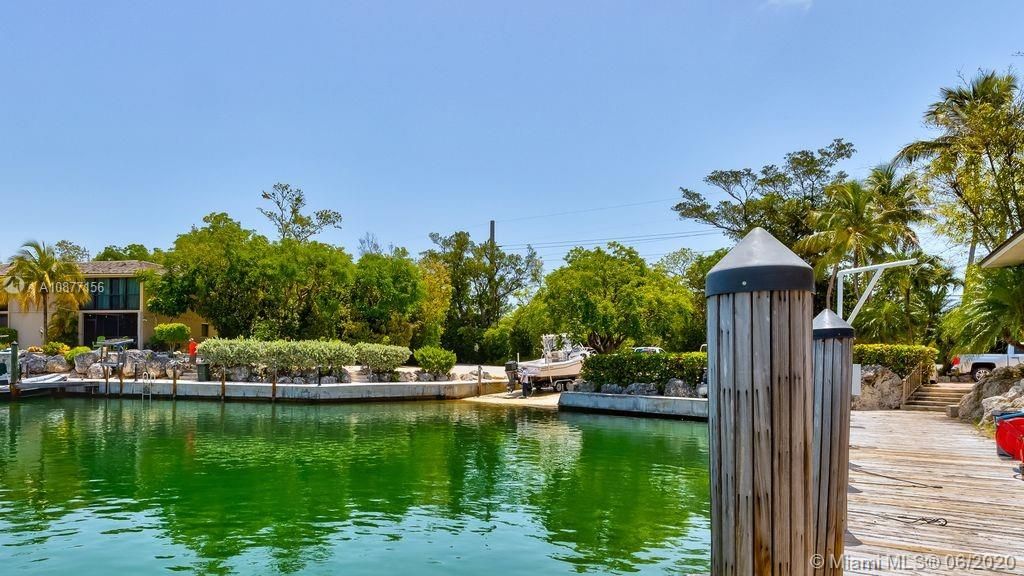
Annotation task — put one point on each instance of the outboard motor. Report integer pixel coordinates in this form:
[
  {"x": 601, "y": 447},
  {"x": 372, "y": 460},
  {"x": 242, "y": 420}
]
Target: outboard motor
[{"x": 512, "y": 373}]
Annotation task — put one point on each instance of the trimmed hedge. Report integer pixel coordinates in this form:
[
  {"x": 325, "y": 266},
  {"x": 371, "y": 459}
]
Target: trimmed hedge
[
  {"x": 435, "y": 360},
  {"x": 277, "y": 354},
  {"x": 902, "y": 359},
  {"x": 381, "y": 358},
  {"x": 629, "y": 367}
]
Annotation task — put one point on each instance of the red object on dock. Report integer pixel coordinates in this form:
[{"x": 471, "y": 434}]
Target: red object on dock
[{"x": 1010, "y": 435}]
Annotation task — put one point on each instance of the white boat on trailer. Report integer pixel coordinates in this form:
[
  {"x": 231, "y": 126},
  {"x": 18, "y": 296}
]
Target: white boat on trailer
[{"x": 562, "y": 362}]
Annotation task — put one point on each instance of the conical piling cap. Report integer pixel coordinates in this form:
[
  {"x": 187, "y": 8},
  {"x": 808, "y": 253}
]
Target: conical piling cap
[
  {"x": 759, "y": 262},
  {"x": 828, "y": 324}
]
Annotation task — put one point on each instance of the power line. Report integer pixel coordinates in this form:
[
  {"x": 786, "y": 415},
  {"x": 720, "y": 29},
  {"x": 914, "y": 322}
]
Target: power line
[
  {"x": 630, "y": 239},
  {"x": 584, "y": 210}
]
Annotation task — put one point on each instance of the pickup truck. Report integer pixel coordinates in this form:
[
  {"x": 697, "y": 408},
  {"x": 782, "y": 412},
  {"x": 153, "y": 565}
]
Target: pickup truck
[{"x": 981, "y": 365}]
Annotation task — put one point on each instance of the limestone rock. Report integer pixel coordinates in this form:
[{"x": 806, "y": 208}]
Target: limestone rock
[
  {"x": 612, "y": 389},
  {"x": 84, "y": 361},
  {"x": 880, "y": 389},
  {"x": 238, "y": 373},
  {"x": 56, "y": 364},
  {"x": 284, "y": 380},
  {"x": 329, "y": 380},
  {"x": 94, "y": 371},
  {"x": 679, "y": 388},
  {"x": 346, "y": 378},
  {"x": 298, "y": 380},
  {"x": 580, "y": 385},
  {"x": 406, "y": 376},
  {"x": 1011, "y": 401},
  {"x": 641, "y": 389},
  {"x": 156, "y": 366},
  {"x": 32, "y": 363},
  {"x": 998, "y": 383},
  {"x": 133, "y": 358},
  {"x": 424, "y": 376}
]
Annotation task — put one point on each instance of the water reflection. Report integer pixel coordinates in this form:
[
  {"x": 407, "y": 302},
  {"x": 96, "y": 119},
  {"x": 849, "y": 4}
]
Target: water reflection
[{"x": 445, "y": 487}]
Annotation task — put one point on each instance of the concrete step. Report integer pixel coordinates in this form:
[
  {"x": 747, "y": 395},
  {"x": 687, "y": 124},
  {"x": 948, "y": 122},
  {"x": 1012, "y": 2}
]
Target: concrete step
[
  {"x": 939, "y": 395},
  {"x": 924, "y": 408},
  {"x": 916, "y": 402}
]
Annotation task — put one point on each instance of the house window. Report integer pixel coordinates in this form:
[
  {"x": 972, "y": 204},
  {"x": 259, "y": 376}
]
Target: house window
[
  {"x": 113, "y": 294},
  {"x": 204, "y": 330},
  {"x": 3, "y": 320}
]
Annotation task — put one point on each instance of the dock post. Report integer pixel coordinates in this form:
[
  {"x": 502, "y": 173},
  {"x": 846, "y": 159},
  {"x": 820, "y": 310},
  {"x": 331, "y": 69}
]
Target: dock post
[
  {"x": 273, "y": 386},
  {"x": 120, "y": 381},
  {"x": 223, "y": 384},
  {"x": 15, "y": 371},
  {"x": 106, "y": 382},
  {"x": 833, "y": 387},
  {"x": 759, "y": 305},
  {"x": 479, "y": 380},
  {"x": 174, "y": 382}
]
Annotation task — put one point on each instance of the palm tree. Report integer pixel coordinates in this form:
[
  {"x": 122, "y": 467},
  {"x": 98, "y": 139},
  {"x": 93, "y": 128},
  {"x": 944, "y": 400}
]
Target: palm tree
[
  {"x": 992, "y": 309},
  {"x": 860, "y": 220},
  {"x": 976, "y": 159},
  {"x": 38, "y": 276}
]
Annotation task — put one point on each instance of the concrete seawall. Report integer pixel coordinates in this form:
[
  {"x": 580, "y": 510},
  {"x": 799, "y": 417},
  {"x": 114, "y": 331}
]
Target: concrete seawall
[
  {"x": 661, "y": 406},
  {"x": 255, "y": 391}
]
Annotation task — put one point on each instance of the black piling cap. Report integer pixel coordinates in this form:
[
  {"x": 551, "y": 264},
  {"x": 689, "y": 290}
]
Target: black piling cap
[
  {"x": 759, "y": 262},
  {"x": 828, "y": 324}
]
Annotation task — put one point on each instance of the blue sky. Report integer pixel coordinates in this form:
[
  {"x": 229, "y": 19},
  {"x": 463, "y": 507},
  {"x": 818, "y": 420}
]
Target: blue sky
[{"x": 128, "y": 121}]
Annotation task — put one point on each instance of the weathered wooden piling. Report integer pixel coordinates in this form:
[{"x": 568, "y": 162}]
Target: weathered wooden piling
[
  {"x": 15, "y": 369},
  {"x": 833, "y": 382},
  {"x": 759, "y": 305}
]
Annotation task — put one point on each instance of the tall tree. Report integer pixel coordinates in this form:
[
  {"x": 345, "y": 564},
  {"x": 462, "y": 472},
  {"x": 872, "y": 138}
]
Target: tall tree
[
  {"x": 859, "y": 221},
  {"x": 218, "y": 271},
  {"x": 908, "y": 303},
  {"x": 975, "y": 165},
  {"x": 692, "y": 269},
  {"x": 288, "y": 218},
  {"x": 131, "y": 252},
  {"x": 39, "y": 277},
  {"x": 776, "y": 198},
  {"x": 68, "y": 250},
  {"x": 606, "y": 297},
  {"x": 485, "y": 281},
  {"x": 386, "y": 294}
]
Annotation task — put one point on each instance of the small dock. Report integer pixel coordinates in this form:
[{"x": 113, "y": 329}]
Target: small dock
[{"x": 906, "y": 466}]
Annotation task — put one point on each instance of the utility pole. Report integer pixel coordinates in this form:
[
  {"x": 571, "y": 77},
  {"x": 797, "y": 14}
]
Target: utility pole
[{"x": 492, "y": 231}]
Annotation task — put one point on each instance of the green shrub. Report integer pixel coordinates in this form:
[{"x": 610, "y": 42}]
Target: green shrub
[
  {"x": 381, "y": 358},
  {"x": 435, "y": 360},
  {"x": 629, "y": 367},
  {"x": 77, "y": 350},
  {"x": 171, "y": 334},
  {"x": 902, "y": 359},
  {"x": 7, "y": 335},
  {"x": 55, "y": 348}
]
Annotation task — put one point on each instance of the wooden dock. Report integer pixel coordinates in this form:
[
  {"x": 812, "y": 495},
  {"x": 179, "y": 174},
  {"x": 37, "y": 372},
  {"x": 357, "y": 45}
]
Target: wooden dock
[{"x": 907, "y": 465}]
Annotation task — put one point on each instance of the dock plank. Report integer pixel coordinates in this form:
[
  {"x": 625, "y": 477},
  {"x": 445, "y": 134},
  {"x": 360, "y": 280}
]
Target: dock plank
[{"x": 920, "y": 464}]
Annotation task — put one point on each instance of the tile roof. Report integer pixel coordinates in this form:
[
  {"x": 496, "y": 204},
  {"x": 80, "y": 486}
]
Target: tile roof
[{"x": 109, "y": 267}]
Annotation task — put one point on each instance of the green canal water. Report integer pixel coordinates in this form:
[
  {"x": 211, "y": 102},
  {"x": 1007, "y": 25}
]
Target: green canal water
[{"x": 95, "y": 486}]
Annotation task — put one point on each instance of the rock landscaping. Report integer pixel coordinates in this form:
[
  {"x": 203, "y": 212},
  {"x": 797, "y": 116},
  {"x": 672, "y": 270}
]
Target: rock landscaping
[
  {"x": 1002, "y": 391},
  {"x": 880, "y": 389}
]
